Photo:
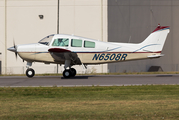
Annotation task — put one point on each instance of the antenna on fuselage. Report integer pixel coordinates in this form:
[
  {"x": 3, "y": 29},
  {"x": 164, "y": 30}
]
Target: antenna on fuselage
[{"x": 129, "y": 39}]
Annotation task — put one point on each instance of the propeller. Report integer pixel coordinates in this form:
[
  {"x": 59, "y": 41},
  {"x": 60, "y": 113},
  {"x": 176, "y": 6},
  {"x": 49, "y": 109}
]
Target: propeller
[{"x": 15, "y": 48}]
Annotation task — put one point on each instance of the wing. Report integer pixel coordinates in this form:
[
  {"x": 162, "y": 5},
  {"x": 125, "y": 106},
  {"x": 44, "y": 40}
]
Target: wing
[{"x": 60, "y": 55}]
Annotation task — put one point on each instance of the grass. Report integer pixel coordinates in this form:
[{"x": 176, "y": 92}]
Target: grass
[{"x": 92, "y": 103}]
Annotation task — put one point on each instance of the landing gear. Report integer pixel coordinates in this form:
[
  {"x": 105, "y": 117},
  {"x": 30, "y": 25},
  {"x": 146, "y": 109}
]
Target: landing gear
[
  {"x": 30, "y": 72},
  {"x": 69, "y": 73},
  {"x": 73, "y": 71}
]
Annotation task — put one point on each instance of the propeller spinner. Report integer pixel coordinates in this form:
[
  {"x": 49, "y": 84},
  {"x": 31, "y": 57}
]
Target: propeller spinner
[{"x": 13, "y": 49}]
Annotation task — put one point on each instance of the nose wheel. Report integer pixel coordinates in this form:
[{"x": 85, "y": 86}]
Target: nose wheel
[
  {"x": 69, "y": 73},
  {"x": 30, "y": 72}
]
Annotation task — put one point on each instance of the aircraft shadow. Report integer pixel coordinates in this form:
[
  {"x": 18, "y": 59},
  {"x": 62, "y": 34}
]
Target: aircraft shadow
[{"x": 77, "y": 77}]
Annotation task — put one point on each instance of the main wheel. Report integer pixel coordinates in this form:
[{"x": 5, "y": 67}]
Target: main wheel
[
  {"x": 67, "y": 73},
  {"x": 73, "y": 71},
  {"x": 30, "y": 72}
]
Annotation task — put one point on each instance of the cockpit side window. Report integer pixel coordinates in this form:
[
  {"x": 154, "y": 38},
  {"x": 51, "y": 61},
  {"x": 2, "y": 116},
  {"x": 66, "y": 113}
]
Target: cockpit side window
[
  {"x": 61, "y": 42},
  {"x": 76, "y": 43},
  {"x": 89, "y": 44}
]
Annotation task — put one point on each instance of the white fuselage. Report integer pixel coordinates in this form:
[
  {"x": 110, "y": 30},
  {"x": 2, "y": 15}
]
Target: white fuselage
[{"x": 104, "y": 52}]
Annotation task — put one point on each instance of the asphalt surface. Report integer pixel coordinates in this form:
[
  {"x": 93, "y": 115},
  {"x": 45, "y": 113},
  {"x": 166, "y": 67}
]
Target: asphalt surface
[{"x": 99, "y": 80}]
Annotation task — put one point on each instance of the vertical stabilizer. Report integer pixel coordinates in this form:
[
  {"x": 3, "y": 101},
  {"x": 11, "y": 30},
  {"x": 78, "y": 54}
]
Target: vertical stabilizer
[{"x": 155, "y": 41}]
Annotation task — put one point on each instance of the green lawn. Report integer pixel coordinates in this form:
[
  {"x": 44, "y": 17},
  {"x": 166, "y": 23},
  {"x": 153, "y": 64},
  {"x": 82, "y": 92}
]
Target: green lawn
[{"x": 93, "y": 103}]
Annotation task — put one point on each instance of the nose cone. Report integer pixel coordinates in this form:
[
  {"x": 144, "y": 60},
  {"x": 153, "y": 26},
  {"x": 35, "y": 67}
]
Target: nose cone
[{"x": 13, "y": 49}]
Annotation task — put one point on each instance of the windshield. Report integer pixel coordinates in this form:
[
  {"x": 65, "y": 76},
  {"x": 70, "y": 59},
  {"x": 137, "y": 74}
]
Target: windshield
[{"x": 46, "y": 40}]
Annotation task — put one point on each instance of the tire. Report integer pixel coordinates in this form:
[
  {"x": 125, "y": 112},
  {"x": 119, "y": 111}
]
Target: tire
[
  {"x": 73, "y": 71},
  {"x": 67, "y": 73},
  {"x": 30, "y": 72}
]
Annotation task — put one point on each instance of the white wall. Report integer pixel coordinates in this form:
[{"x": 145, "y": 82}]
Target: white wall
[
  {"x": 78, "y": 17},
  {"x": 2, "y": 31},
  {"x": 24, "y": 26}
]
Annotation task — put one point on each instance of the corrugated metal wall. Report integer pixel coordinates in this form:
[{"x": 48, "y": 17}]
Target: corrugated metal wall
[{"x": 133, "y": 20}]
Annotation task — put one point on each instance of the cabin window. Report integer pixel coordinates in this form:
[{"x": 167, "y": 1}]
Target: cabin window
[
  {"x": 88, "y": 44},
  {"x": 76, "y": 43},
  {"x": 61, "y": 42}
]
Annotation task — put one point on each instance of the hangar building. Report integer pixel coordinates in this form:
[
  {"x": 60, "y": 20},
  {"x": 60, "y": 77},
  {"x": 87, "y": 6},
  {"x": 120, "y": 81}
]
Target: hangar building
[
  {"x": 133, "y": 20},
  {"x": 28, "y": 21}
]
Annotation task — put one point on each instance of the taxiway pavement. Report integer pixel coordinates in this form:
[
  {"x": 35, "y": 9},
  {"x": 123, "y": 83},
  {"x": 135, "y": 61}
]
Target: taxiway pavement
[{"x": 96, "y": 80}]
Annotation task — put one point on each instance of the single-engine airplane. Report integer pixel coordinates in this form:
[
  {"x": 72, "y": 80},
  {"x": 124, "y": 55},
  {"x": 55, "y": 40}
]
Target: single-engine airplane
[{"x": 74, "y": 50}]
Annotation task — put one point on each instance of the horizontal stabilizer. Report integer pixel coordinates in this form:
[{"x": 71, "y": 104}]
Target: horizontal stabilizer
[{"x": 155, "y": 56}]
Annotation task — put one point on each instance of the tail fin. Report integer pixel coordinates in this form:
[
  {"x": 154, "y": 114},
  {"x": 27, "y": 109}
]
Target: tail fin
[{"x": 155, "y": 41}]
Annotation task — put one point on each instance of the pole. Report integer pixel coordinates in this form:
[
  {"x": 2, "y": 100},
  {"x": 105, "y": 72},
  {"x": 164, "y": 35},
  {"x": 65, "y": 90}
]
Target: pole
[
  {"x": 102, "y": 27},
  {"x": 58, "y": 2},
  {"x": 58, "y": 17},
  {"x": 5, "y": 35}
]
